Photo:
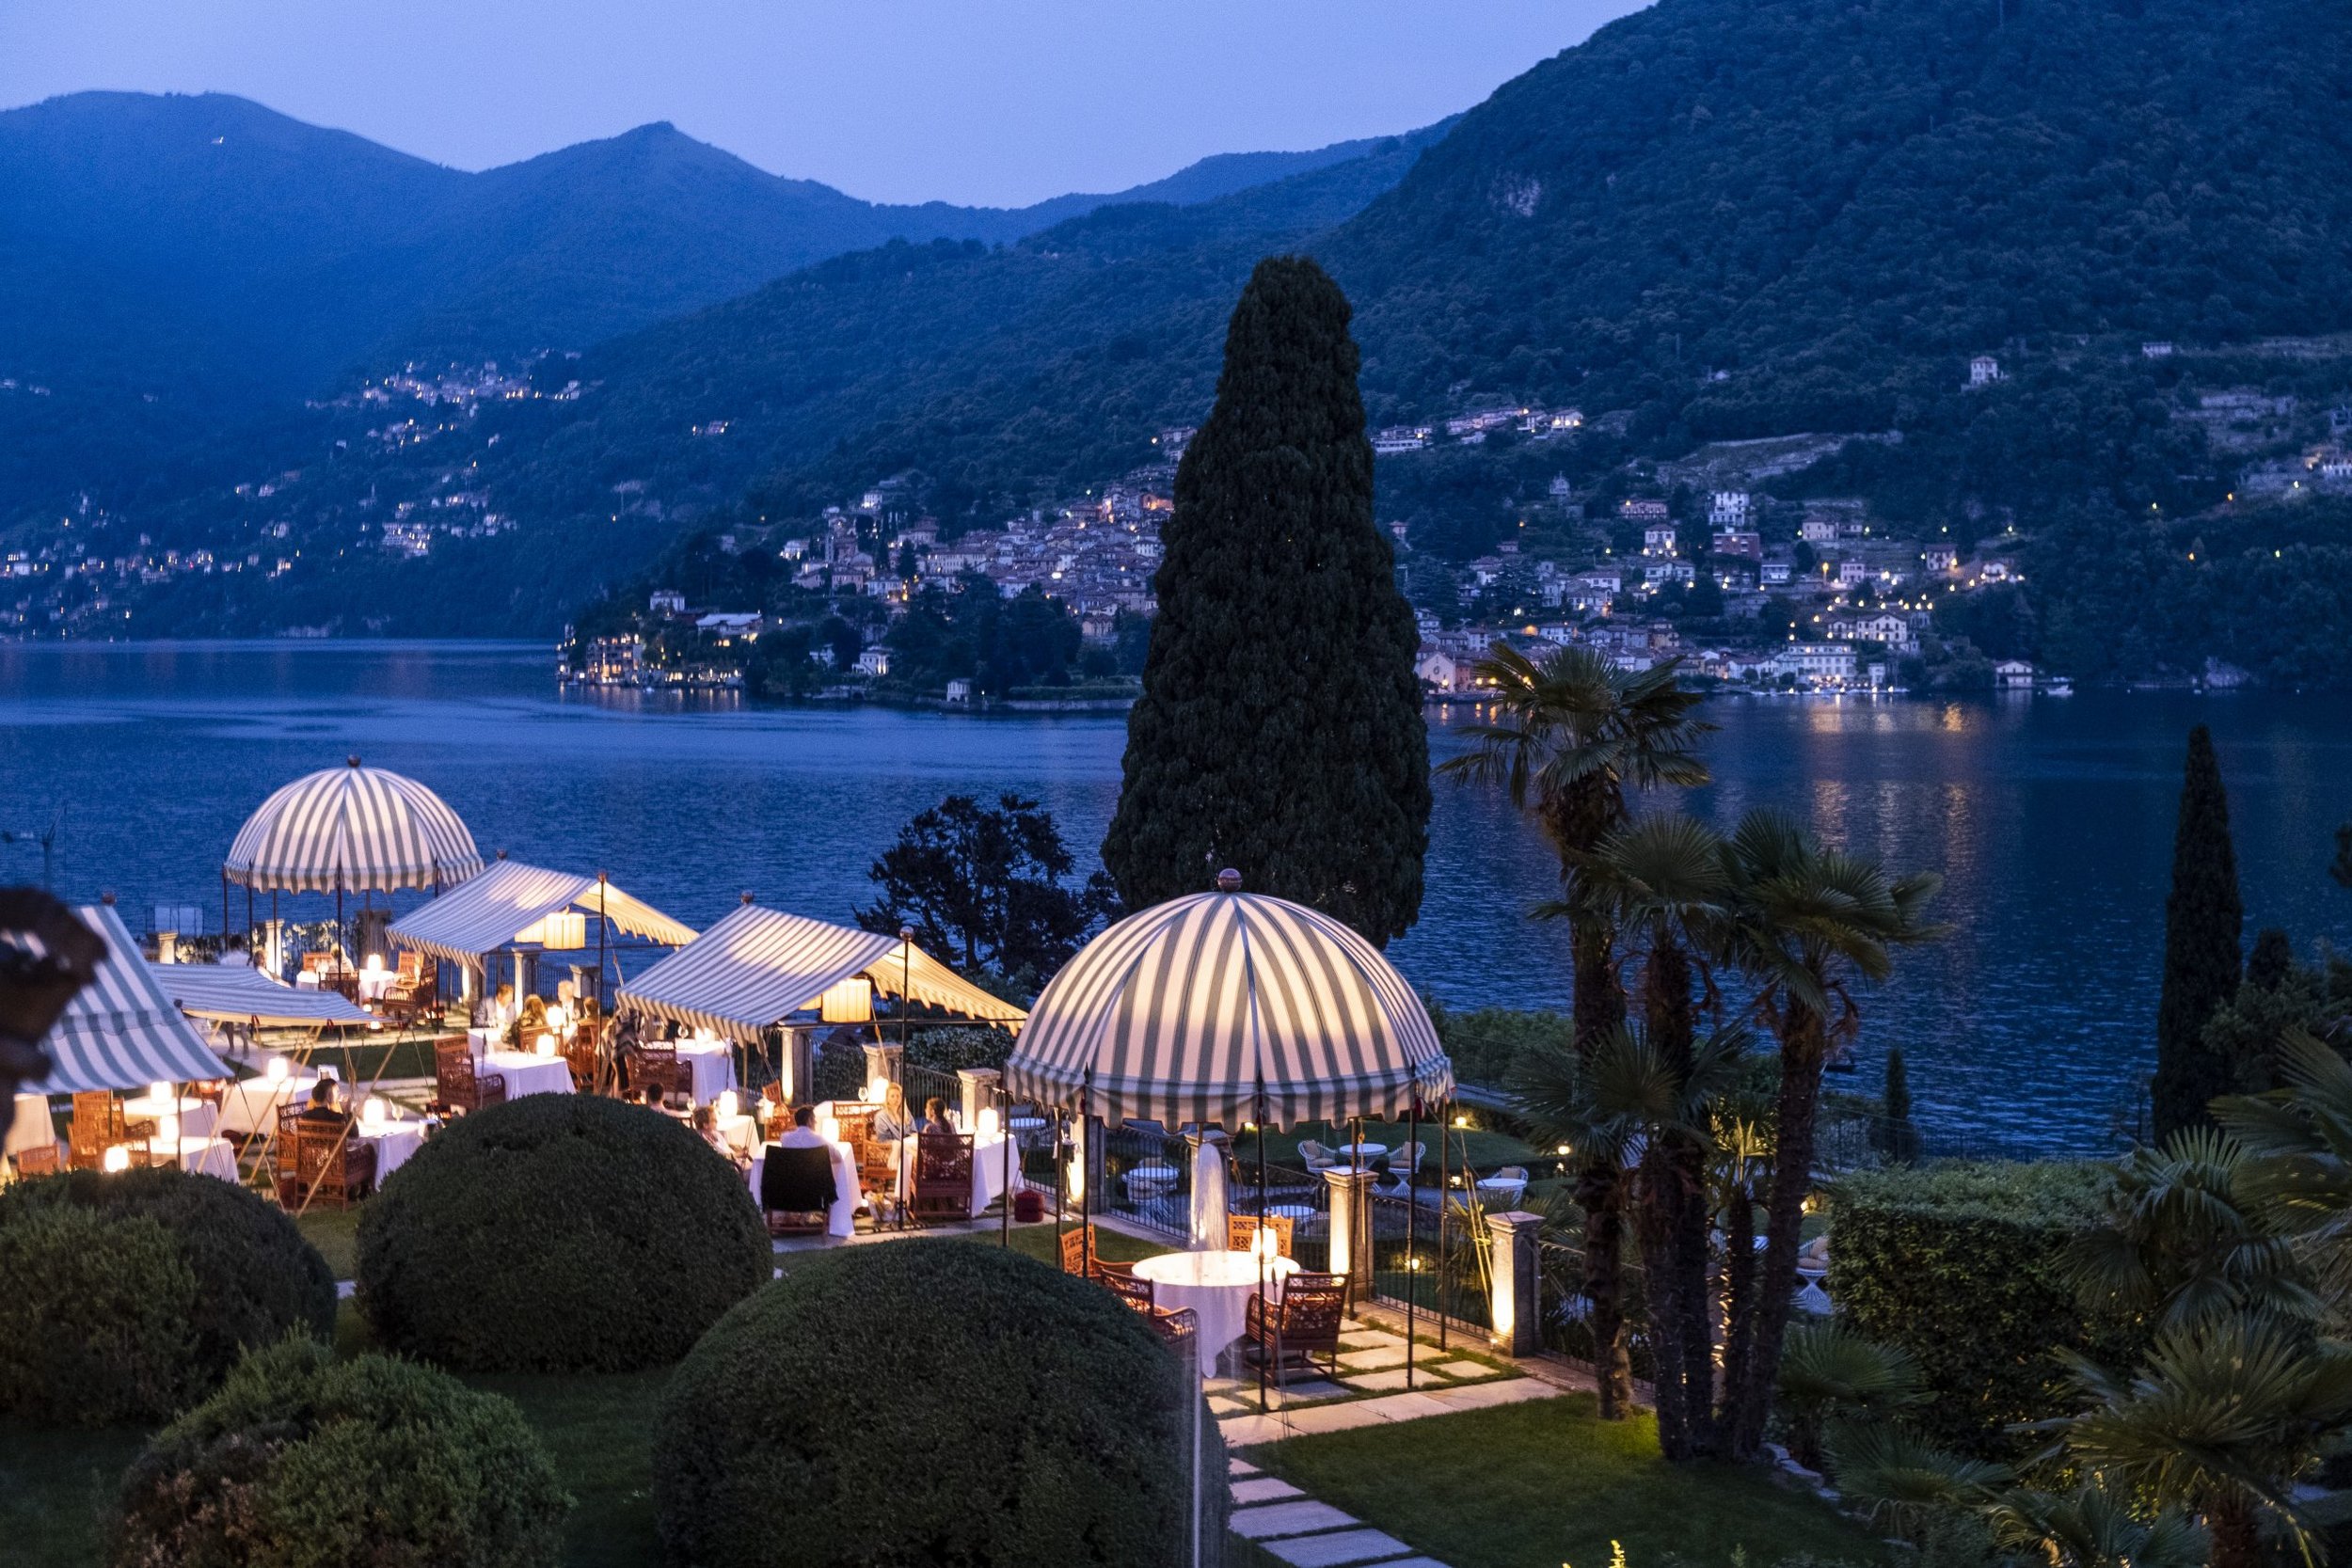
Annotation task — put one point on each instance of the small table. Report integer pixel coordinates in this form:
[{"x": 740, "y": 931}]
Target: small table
[
  {"x": 1218, "y": 1286},
  {"x": 202, "y": 1156},
  {"x": 198, "y": 1117},
  {"x": 393, "y": 1141},
  {"x": 1152, "y": 1179},
  {"x": 1362, "y": 1154},
  {"x": 375, "y": 984},
  {"x": 712, "y": 1064},
  {"x": 1500, "y": 1191},
  {"x": 528, "y": 1074},
  {"x": 250, "y": 1104}
]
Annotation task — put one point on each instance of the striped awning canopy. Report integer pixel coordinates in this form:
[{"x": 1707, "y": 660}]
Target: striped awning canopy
[
  {"x": 121, "y": 1031},
  {"x": 1230, "y": 1007},
  {"x": 759, "y": 966},
  {"x": 507, "y": 906},
  {"x": 234, "y": 993},
  {"x": 352, "y": 830}
]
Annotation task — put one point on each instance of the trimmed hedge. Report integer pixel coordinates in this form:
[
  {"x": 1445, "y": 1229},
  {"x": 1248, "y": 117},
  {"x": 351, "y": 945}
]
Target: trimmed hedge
[
  {"x": 301, "y": 1459},
  {"x": 1960, "y": 1263},
  {"x": 256, "y": 1278},
  {"x": 94, "y": 1319},
  {"x": 559, "y": 1232},
  {"x": 929, "y": 1403}
]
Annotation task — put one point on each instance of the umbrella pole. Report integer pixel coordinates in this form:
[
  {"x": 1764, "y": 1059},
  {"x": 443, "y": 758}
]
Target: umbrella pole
[
  {"x": 1004, "y": 1130},
  {"x": 1260, "y": 1249},
  {"x": 1086, "y": 1187},
  {"x": 224, "y": 914},
  {"x": 1061, "y": 1182},
  {"x": 1445, "y": 1202},
  {"x": 1412, "y": 1231}
]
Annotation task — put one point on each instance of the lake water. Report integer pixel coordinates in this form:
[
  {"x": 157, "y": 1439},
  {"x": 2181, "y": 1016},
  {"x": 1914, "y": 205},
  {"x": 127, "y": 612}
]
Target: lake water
[{"x": 2050, "y": 818}]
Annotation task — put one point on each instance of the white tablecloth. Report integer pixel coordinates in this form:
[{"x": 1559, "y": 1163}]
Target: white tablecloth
[
  {"x": 988, "y": 1169},
  {"x": 713, "y": 1067},
  {"x": 375, "y": 982},
  {"x": 526, "y": 1074},
  {"x": 250, "y": 1104},
  {"x": 393, "y": 1141},
  {"x": 30, "y": 1127},
  {"x": 741, "y": 1132},
  {"x": 1216, "y": 1285},
  {"x": 481, "y": 1039},
  {"x": 199, "y": 1119},
  {"x": 842, "y": 1220},
  {"x": 204, "y": 1156},
  {"x": 307, "y": 980},
  {"x": 1364, "y": 1153}
]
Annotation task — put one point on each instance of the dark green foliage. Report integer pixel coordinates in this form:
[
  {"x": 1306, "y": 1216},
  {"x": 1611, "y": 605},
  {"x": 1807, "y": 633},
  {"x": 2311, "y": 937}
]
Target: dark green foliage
[
  {"x": 1485, "y": 1044},
  {"x": 302, "y": 1459},
  {"x": 2245, "y": 1031},
  {"x": 978, "y": 635},
  {"x": 1962, "y": 1265},
  {"x": 2272, "y": 958},
  {"x": 558, "y": 1232},
  {"x": 985, "y": 887},
  {"x": 257, "y": 1279},
  {"x": 94, "y": 1324},
  {"x": 1894, "y": 1135},
  {"x": 2203, "y": 923},
  {"x": 1280, "y": 731},
  {"x": 930, "y": 1404}
]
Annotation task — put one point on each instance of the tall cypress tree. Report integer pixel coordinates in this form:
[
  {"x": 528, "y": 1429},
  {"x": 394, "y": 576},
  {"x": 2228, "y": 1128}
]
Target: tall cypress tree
[
  {"x": 2202, "y": 924},
  {"x": 1279, "y": 730}
]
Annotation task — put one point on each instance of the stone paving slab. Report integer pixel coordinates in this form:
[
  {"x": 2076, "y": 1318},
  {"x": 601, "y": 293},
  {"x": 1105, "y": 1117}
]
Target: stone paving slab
[
  {"x": 1368, "y": 1339},
  {"x": 1393, "y": 1381},
  {"x": 1466, "y": 1371},
  {"x": 1344, "y": 1546},
  {"x": 1373, "y": 1357},
  {"x": 1242, "y": 1431},
  {"x": 1220, "y": 1405},
  {"x": 1263, "y": 1489},
  {"x": 1303, "y": 1516},
  {"x": 1236, "y": 1465}
]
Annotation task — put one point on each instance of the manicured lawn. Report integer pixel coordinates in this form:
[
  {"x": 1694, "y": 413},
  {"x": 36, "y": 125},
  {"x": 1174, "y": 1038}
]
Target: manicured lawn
[
  {"x": 56, "y": 1489},
  {"x": 599, "y": 1432},
  {"x": 1548, "y": 1482},
  {"x": 336, "y": 1234},
  {"x": 1482, "y": 1151}
]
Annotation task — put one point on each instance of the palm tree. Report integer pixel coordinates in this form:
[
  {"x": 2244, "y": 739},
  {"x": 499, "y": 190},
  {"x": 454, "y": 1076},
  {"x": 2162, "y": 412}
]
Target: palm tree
[
  {"x": 1810, "y": 925},
  {"x": 1828, "y": 1371},
  {"x": 1631, "y": 1102},
  {"x": 1663, "y": 885},
  {"x": 1573, "y": 735},
  {"x": 2180, "y": 1246},
  {"x": 2298, "y": 1139},
  {"x": 2092, "y": 1528},
  {"x": 2221, "y": 1419}
]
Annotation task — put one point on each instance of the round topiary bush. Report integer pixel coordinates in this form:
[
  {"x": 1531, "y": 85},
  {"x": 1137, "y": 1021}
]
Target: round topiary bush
[
  {"x": 559, "y": 1232},
  {"x": 929, "y": 1403},
  {"x": 256, "y": 1278},
  {"x": 300, "y": 1458},
  {"x": 94, "y": 1319}
]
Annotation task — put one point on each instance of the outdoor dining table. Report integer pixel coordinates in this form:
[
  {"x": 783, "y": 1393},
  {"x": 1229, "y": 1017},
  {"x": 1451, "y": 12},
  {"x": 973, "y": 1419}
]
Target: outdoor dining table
[
  {"x": 249, "y": 1105},
  {"x": 528, "y": 1074},
  {"x": 988, "y": 1169},
  {"x": 198, "y": 1117},
  {"x": 841, "y": 1220},
  {"x": 1503, "y": 1191},
  {"x": 712, "y": 1063},
  {"x": 393, "y": 1139},
  {"x": 1218, "y": 1286},
  {"x": 1362, "y": 1154},
  {"x": 377, "y": 984},
  {"x": 202, "y": 1156},
  {"x": 29, "y": 1127}
]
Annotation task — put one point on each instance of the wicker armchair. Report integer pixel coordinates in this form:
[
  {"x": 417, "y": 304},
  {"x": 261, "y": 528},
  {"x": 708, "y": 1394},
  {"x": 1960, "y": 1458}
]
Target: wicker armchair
[
  {"x": 1180, "y": 1330},
  {"x": 1077, "y": 1245},
  {"x": 658, "y": 1066},
  {"x": 320, "y": 1163},
  {"x": 1135, "y": 1293},
  {"x": 458, "y": 1086},
  {"x": 99, "y": 1124},
  {"x": 1241, "y": 1233},
  {"x": 1302, "y": 1324},
  {"x": 42, "y": 1160},
  {"x": 942, "y": 1184}
]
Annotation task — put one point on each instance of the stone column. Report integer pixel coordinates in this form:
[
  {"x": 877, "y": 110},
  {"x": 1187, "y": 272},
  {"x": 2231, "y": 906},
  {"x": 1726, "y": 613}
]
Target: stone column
[
  {"x": 1518, "y": 1314},
  {"x": 1351, "y": 1226},
  {"x": 1084, "y": 1175},
  {"x": 884, "y": 1061},
  {"x": 978, "y": 1085}
]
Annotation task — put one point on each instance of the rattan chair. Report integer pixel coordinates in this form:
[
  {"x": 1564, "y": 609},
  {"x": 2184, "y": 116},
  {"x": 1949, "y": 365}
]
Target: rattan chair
[
  {"x": 1134, "y": 1292},
  {"x": 99, "y": 1124},
  {"x": 1180, "y": 1330},
  {"x": 1078, "y": 1245},
  {"x": 41, "y": 1161},
  {"x": 1302, "y": 1324},
  {"x": 658, "y": 1066},
  {"x": 797, "y": 1189},
  {"x": 318, "y": 1162},
  {"x": 1241, "y": 1231},
  {"x": 942, "y": 1184},
  {"x": 458, "y": 1086}
]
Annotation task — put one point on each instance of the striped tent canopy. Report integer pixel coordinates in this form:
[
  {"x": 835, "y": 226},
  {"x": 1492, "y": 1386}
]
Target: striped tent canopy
[
  {"x": 352, "y": 830},
  {"x": 235, "y": 995},
  {"x": 505, "y": 906},
  {"x": 121, "y": 1031},
  {"x": 759, "y": 966},
  {"x": 1231, "y": 1008}
]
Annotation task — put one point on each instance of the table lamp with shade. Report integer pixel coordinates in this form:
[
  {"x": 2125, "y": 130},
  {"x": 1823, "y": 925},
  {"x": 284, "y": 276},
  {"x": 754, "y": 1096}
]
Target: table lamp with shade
[
  {"x": 987, "y": 1130},
  {"x": 849, "y": 1001},
  {"x": 275, "y": 1069},
  {"x": 729, "y": 1104},
  {"x": 168, "y": 1128},
  {"x": 546, "y": 1045},
  {"x": 372, "y": 1113},
  {"x": 876, "y": 1089},
  {"x": 117, "y": 1158},
  {"x": 161, "y": 1093}
]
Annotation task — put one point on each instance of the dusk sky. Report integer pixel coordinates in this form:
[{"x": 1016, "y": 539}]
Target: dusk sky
[{"x": 996, "y": 102}]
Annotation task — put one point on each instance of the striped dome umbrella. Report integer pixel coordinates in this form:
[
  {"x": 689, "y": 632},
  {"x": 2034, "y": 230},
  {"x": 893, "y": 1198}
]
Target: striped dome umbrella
[
  {"x": 1230, "y": 1006},
  {"x": 352, "y": 830}
]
